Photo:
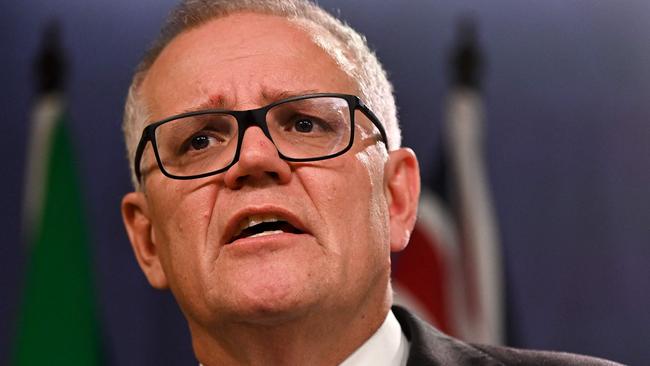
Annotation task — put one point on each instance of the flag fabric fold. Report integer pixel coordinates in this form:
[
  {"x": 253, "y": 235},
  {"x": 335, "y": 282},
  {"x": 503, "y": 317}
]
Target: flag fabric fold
[{"x": 451, "y": 273}]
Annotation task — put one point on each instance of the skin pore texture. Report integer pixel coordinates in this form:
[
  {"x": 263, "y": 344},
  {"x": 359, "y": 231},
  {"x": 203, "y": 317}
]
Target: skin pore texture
[{"x": 288, "y": 298}]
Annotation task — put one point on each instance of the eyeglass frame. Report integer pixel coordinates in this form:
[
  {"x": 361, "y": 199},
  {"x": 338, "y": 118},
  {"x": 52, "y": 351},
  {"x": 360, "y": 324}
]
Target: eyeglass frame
[{"x": 249, "y": 118}]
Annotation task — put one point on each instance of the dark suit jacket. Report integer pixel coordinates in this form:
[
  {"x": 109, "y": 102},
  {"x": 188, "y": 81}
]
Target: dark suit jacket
[{"x": 429, "y": 347}]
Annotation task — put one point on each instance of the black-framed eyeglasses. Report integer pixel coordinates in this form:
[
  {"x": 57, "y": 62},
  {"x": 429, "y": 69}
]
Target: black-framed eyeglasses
[{"x": 207, "y": 142}]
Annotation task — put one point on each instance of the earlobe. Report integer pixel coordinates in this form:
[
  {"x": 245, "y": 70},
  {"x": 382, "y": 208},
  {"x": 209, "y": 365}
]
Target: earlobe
[
  {"x": 137, "y": 221},
  {"x": 402, "y": 184}
]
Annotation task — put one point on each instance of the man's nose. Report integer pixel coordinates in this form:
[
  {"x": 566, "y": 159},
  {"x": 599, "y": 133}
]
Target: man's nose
[{"x": 259, "y": 160}]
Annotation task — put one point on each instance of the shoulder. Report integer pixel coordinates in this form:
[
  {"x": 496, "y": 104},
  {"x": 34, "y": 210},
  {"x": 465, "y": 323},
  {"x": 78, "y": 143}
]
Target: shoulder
[
  {"x": 428, "y": 346},
  {"x": 513, "y": 356}
]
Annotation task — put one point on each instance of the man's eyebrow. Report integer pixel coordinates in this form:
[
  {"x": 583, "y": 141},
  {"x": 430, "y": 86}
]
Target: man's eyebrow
[
  {"x": 218, "y": 101},
  {"x": 271, "y": 96}
]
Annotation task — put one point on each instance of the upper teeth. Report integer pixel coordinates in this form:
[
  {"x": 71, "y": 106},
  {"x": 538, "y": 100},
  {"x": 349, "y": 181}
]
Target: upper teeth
[{"x": 255, "y": 220}]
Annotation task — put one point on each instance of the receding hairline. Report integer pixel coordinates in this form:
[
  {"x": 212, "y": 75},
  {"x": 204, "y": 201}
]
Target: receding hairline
[
  {"x": 157, "y": 48},
  {"x": 311, "y": 30}
]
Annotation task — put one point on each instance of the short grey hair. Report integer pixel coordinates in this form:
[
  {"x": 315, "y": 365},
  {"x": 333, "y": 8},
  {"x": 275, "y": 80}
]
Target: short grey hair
[{"x": 350, "y": 51}]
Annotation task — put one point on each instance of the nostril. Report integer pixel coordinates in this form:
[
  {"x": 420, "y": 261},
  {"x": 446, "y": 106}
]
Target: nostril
[{"x": 240, "y": 181}]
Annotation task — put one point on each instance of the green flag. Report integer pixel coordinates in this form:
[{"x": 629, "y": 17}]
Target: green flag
[{"x": 57, "y": 323}]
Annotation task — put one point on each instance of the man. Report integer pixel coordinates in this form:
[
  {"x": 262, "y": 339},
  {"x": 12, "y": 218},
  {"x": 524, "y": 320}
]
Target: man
[{"x": 271, "y": 189}]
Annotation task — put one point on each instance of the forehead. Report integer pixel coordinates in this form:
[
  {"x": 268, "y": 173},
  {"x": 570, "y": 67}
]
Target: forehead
[{"x": 243, "y": 60}]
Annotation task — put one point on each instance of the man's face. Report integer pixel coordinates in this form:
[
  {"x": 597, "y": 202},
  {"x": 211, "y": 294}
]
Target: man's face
[{"x": 337, "y": 253}]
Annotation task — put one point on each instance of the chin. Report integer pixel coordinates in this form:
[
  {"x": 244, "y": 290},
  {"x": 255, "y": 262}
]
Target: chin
[
  {"x": 267, "y": 297},
  {"x": 271, "y": 308}
]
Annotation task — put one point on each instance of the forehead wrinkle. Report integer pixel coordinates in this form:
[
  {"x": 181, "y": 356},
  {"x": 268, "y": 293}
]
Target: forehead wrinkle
[{"x": 267, "y": 95}]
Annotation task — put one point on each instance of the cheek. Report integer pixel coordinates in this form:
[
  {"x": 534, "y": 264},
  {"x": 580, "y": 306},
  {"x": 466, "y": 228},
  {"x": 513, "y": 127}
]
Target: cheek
[
  {"x": 349, "y": 196},
  {"x": 376, "y": 252},
  {"x": 372, "y": 162},
  {"x": 181, "y": 218}
]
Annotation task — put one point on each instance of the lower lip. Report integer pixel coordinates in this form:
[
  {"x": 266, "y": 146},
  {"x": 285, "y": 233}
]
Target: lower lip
[{"x": 272, "y": 241}]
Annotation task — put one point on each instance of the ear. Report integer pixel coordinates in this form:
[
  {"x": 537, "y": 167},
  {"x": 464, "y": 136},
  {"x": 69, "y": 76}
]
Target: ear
[
  {"x": 137, "y": 221},
  {"x": 402, "y": 185}
]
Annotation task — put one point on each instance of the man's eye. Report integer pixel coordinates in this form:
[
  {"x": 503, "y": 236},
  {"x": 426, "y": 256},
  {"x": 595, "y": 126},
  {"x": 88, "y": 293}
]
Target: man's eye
[
  {"x": 200, "y": 142},
  {"x": 304, "y": 125}
]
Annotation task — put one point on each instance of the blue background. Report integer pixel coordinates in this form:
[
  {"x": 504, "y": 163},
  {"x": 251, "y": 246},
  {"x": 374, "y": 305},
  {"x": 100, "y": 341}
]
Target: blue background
[{"x": 568, "y": 106}]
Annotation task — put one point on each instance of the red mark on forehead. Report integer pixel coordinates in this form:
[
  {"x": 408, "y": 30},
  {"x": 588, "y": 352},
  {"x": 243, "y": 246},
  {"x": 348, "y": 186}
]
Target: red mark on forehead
[{"x": 215, "y": 101}]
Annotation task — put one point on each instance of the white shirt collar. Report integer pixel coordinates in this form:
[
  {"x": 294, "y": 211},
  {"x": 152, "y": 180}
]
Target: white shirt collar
[{"x": 387, "y": 347}]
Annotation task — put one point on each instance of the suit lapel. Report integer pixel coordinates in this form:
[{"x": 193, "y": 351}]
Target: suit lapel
[{"x": 430, "y": 347}]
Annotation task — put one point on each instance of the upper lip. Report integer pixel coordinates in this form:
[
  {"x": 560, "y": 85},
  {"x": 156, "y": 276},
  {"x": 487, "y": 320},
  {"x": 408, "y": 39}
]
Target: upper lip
[{"x": 233, "y": 224}]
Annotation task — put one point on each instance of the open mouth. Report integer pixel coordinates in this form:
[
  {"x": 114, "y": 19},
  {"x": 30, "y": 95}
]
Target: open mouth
[{"x": 256, "y": 226}]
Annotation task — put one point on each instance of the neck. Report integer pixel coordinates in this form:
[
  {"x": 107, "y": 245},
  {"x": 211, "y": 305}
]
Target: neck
[{"x": 320, "y": 338}]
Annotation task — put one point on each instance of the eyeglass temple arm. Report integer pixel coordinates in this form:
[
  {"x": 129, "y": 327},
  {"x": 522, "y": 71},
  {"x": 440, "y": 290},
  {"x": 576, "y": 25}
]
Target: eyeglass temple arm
[
  {"x": 375, "y": 121},
  {"x": 139, "y": 151}
]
